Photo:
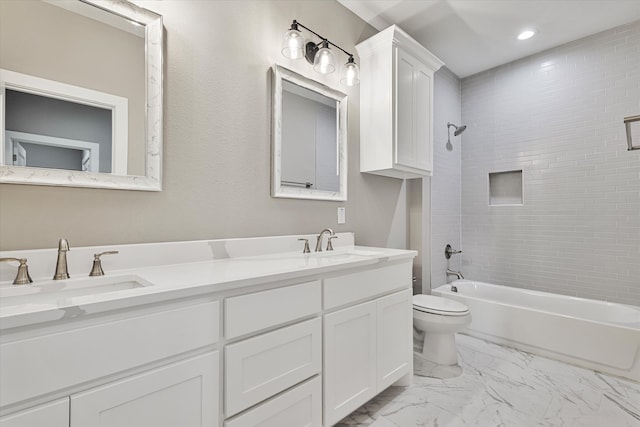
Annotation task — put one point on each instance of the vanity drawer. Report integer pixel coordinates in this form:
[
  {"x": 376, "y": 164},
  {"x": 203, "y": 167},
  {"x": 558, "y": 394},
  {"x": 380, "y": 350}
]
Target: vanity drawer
[
  {"x": 263, "y": 366},
  {"x": 299, "y": 407},
  {"x": 91, "y": 351},
  {"x": 250, "y": 313},
  {"x": 354, "y": 287}
]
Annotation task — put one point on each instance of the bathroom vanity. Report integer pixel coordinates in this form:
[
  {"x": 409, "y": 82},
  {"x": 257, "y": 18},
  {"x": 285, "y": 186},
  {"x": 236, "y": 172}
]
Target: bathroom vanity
[{"x": 234, "y": 333}]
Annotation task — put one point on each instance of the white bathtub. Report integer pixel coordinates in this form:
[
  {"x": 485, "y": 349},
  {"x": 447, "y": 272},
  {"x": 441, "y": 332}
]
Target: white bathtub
[{"x": 594, "y": 334}]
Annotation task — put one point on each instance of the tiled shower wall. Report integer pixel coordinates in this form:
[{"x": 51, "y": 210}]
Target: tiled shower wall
[
  {"x": 557, "y": 116},
  {"x": 445, "y": 183}
]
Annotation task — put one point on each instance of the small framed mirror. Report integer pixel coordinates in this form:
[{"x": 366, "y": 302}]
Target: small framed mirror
[
  {"x": 309, "y": 138},
  {"x": 84, "y": 107}
]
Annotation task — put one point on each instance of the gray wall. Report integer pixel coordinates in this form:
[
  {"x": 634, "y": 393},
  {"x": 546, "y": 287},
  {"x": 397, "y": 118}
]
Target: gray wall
[
  {"x": 217, "y": 143},
  {"x": 446, "y": 180},
  {"x": 558, "y": 117}
]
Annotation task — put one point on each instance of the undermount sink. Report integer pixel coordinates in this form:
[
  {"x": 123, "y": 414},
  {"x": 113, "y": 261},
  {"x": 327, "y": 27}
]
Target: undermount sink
[
  {"x": 53, "y": 291},
  {"x": 345, "y": 254}
]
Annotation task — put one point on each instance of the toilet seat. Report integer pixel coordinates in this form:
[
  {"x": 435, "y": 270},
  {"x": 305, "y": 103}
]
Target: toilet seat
[{"x": 438, "y": 305}]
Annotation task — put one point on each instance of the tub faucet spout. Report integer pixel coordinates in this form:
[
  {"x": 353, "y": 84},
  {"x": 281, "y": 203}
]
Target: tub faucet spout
[{"x": 454, "y": 273}]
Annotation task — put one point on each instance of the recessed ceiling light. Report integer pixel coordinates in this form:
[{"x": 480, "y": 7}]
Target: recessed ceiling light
[{"x": 527, "y": 34}]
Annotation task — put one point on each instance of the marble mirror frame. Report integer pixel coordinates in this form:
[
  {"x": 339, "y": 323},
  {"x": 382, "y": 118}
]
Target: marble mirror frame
[
  {"x": 279, "y": 75},
  {"x": 152, "y": 180}
]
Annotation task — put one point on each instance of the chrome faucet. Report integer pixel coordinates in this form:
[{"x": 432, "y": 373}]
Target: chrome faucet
[
  {"x": 61, "y": 264},
  {"x": 319, "y": 240},
  {"x": 454, "y": 273}
]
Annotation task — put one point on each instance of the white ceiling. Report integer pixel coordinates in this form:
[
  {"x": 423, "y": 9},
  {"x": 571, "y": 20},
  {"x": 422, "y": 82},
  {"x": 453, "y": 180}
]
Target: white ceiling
[{"x": 475, "y": 35}]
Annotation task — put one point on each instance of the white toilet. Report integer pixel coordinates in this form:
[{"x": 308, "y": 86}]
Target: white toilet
[{"x": 439, "y": 319}]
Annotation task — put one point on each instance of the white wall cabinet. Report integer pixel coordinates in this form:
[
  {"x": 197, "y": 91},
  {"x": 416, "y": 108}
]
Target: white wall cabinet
[
  {"x": 367, "y": 348},
  {"x": 396, "y": 105}
]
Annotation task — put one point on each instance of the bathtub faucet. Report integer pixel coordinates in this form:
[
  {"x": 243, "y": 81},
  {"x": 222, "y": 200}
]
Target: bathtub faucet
[{"x": 454, "y": 273}]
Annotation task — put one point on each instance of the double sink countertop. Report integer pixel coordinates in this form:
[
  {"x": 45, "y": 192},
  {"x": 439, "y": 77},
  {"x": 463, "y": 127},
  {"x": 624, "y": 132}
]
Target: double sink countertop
[{"x": 154, "y": 273}]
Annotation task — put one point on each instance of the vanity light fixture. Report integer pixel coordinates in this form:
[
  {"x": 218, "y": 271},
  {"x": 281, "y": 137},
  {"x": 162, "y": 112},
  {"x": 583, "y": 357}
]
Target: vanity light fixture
[{"x": 319, "y": 54}]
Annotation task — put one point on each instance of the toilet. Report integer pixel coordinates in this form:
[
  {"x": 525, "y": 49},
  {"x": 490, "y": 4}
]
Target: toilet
[{"x": 439, "y": 319}]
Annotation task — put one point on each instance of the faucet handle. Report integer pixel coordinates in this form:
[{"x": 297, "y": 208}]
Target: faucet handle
[
  {"x": 23, "y": 277},
  {"x": 329, "y": 245},
  {"x": 306, "y": 246},
  {"x": 448, "y": 251},
  {"x": 96, "y": 270}
]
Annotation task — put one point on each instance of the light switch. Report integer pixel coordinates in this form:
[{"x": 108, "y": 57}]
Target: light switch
[{"x": 342, "y": 212}]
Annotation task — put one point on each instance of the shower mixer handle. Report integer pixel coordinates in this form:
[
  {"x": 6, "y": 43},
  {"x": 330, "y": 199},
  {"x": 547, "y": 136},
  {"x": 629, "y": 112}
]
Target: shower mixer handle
[{"x": 448, "y": 251}]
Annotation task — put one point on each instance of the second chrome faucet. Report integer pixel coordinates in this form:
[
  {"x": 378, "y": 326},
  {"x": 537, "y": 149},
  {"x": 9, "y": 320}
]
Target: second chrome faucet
[{"x": 332, "y": 235}]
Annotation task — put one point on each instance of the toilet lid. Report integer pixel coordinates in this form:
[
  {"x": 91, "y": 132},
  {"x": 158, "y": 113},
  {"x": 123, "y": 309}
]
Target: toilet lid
[{"x": 439, "y": 305}]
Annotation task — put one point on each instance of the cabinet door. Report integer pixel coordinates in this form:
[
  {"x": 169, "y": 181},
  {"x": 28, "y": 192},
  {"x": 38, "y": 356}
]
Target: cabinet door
[
  {"x": 349, "y": 360},
  {"x": 405, "y": 109},
  {"x": 184, "y": 394},
  {"x": 422, "y": 115},
  {"x": 262, "y": 366},
  {"x": 413, "y": 113},
  {"x": 300, "y": 406},
  {"x": 395, "y": 338},
  {"x": 52, "y": 414}
]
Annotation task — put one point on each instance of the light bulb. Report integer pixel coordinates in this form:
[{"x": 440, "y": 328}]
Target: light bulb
[
  {"x": 350, "y": 73},
  {"x": 323, "y": 62},
  {"x": 292, "y": 43}
]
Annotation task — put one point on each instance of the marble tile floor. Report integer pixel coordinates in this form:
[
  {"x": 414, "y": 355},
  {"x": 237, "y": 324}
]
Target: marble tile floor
[{"x": 501, "y": 386}]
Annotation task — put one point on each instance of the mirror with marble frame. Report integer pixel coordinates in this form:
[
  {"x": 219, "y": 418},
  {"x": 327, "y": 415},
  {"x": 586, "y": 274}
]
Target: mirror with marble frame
[
  {"x": 309, "y": 138},
  {"x": 48, "y": 96}
]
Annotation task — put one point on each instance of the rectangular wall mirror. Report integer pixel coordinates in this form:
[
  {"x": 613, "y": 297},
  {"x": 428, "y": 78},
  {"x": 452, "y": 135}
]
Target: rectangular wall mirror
[
  {"x": 84, "y": 107},
  {"x": 309, "y": 138}
]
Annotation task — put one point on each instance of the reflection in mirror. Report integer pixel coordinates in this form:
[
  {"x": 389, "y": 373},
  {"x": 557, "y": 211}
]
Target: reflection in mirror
[
  {"x": 84, "y": 107},
  {"x": 309, "y": 139}
]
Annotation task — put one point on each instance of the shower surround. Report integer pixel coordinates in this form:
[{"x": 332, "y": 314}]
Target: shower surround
[{"x": 558, "y": 117}]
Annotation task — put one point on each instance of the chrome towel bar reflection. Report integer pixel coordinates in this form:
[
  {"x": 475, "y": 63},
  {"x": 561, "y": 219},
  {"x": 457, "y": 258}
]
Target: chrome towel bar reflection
[
  {"x": 299, "y": 184},
  {"x": 627, "y": 125}
]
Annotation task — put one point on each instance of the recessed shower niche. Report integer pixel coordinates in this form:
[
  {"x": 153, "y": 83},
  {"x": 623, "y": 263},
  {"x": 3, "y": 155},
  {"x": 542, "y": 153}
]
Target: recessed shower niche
[{"x": 505, "y": 188}]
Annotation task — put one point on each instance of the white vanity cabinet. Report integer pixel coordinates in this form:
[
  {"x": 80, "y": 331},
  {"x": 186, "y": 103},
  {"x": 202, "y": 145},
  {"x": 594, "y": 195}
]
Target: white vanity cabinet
[
  {"x": 299, "y": 344},
  {"x": 280, "y": 347},
  {"x": 149, "y": 366},
  {"x": 396, "y": 99},
  {"x": 178, "y": 394},
  {"x": 51, "y": 414},
  {"x": 367, "y": 345}
]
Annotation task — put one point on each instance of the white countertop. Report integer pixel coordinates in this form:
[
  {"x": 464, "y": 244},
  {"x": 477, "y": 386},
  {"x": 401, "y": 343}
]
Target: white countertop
[{"x": 173, "y": 281}]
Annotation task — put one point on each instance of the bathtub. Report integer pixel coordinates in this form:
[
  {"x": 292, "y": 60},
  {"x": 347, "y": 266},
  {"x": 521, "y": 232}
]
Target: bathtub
[{"x": 597, "y": 335}]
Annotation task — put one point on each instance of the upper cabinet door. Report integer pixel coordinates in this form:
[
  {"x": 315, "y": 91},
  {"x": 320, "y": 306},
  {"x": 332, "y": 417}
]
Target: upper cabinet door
[
  {"x": 413, "y": 111},
  {"x": 405, "y": 109},
  {"x": 396, "y": 105}
]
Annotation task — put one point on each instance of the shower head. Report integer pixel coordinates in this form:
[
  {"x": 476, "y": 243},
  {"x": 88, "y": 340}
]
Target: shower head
[{"x": 459, "y": 129}]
